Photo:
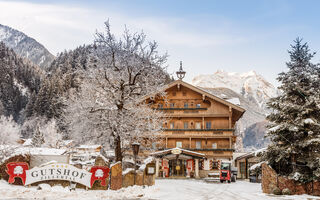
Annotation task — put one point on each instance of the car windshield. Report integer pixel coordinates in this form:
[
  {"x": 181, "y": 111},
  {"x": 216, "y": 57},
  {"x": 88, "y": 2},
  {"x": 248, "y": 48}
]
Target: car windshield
[{"x": 225, "y": 166}]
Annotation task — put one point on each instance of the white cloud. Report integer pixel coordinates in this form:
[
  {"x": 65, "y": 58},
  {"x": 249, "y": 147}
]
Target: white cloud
[
  {"x": 65, "y": 26},
  {"x": 61, "y": 27}
]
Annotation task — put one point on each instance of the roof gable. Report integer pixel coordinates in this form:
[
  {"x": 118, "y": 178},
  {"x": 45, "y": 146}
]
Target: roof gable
[{"x": 202, "y": 92}]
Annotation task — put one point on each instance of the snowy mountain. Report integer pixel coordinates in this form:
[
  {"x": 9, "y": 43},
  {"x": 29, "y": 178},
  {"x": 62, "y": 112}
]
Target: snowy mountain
[
  {"x": 249, "y": 84},
  {"x": 25, "y": 46},
  {"x": 252, "y": 92},
  {"x": 250, "y": 128}
]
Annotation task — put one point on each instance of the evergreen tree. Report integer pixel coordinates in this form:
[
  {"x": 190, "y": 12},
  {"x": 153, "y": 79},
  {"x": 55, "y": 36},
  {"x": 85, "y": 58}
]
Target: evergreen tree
[
  {"x": 38, "y": 138},
  {"x": 295, "y": 129}
]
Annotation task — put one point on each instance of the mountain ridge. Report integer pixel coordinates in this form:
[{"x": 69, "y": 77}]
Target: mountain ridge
[
  {"x": 253, "y": 92},
  {"x": 26, "y": 46}
]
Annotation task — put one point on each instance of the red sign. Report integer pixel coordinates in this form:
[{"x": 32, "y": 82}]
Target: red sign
[
  {"x": 99, "y": 173},
  {"x": 17, "y": 169},
  {"x": 165, "y": 167}
]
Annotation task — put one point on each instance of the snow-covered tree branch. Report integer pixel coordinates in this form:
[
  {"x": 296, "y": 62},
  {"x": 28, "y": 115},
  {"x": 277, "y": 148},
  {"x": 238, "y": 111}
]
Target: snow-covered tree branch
[{"x": 109, "y": 109}]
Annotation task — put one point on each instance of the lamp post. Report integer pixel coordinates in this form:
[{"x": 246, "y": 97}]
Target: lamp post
[
  {"x": 135, "y": 149},
  {"x": 180, "y": 73}
]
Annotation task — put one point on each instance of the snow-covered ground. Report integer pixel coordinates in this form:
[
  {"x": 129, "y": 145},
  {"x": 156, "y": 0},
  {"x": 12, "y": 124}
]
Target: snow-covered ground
[{"x": 164, "y": 189}]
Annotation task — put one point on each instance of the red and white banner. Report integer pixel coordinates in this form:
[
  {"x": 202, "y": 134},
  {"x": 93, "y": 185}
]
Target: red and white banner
[
  {"x": 17, "y": 169},
  {"x": 99, "y": 173},
  {"x": 57, "y": 171}
]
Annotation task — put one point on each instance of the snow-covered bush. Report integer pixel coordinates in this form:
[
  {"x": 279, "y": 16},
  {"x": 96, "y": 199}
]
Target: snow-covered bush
[
  {"x": 9, "y": 131},
  {"x": 44, "y": 132}
]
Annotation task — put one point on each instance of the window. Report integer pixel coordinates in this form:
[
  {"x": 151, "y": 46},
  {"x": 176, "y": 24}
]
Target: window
[
  {"x": 214, "y": 145},
  {"x": 172, "y": 125},
  {"x": 198, "y": 105},
  {"x": 160, "y": 105},
  {"x": 198, "y": 144},
  {"x": 215, "y": 164},
  {"x": 179, "y": 144},
  {"x": 208, "y": 125},
  {"x": 198, "y": 125},
  {"x": 186, "y": 105},
  {"x": 171, "y": 105},
  {"x": 185, "y": 125}
]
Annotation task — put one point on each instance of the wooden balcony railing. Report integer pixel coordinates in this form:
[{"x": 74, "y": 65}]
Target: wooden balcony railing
[
  {"x": 200, "y": 130},
  {"x": 181, "y": 108}
]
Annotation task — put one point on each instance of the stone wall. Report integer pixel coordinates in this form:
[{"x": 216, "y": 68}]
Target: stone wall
[
  {"x": 116, "y": 176},
  {"x": 271, "y": 181}
]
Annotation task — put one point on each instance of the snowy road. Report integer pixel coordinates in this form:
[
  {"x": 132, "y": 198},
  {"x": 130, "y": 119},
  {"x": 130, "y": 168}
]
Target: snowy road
[
  {"x": 199, "y": 190},
  {"x": 163, "y": 190}
]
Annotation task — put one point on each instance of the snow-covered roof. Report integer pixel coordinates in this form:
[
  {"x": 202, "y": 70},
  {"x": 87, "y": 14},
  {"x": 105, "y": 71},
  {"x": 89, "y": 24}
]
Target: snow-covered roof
[
  {"x": 251, "y": 154},
  {"x": 46, "y": 151},
  {"x": 188, "y": 152},
  {"x": 253, "y": 167},
  {"x": 28, "y": 142},
  {"x": 89, "y": 146},
  {"x": 67, "y": 142},
  {"x": 234, "y": 101}
]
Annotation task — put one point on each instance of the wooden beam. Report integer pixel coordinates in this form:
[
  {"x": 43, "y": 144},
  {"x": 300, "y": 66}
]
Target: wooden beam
[{"x": 230, "y": 117}]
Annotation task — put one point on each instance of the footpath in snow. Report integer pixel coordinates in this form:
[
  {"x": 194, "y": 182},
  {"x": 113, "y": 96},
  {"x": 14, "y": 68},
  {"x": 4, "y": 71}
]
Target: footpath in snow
[{"x": 165, "y": 189}]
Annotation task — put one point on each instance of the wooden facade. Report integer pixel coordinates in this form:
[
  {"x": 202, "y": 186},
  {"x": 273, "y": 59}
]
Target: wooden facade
[{"x": 197, "y": 121}]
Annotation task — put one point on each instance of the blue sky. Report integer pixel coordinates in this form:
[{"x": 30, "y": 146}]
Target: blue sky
[{"x": 235, "y": 36}]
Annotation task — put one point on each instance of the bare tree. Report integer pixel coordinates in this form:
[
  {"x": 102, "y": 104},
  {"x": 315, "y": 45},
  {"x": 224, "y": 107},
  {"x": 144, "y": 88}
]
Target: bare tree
[{"x": 110, "y": 109}]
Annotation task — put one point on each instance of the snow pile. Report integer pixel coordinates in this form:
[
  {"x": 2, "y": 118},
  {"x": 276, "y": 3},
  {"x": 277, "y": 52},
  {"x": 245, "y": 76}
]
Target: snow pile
[{"x": 45, "y": 191}]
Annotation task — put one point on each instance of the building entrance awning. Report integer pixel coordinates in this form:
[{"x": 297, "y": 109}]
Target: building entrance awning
[{"x": 174, "y": 153}]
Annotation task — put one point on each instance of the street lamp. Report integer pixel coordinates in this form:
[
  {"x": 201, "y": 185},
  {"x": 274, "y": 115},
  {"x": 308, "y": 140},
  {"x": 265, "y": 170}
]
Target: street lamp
[
  {"x": 135, "y": 149},
  {"x": 180, "y": 73}
]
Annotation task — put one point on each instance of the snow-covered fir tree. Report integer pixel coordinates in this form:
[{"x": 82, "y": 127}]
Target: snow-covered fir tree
[
  {"x": 52, "y": 136},
  {"x": 295, "y": 129},
  {"x": 109, "y": 109},
  {"x": 38, "y": 138}
]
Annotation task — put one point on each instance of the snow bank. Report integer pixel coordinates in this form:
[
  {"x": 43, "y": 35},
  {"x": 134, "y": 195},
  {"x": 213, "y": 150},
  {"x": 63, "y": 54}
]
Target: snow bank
[{"x": 8, "y": 191}]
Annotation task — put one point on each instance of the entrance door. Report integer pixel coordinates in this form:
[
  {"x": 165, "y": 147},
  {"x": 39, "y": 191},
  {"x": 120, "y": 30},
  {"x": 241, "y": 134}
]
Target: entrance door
[
  {"x": 242, "y": 170},
  {"x": 178, "y": 167}
]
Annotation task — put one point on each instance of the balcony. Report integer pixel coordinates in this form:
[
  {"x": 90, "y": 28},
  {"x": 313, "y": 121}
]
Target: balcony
[
  {"x": 205, "y": 149},
  {"x": 181, "y": 108},
  {"x": 200, "y": 130}
]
